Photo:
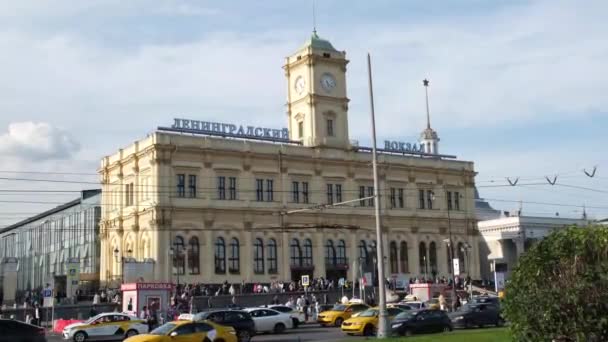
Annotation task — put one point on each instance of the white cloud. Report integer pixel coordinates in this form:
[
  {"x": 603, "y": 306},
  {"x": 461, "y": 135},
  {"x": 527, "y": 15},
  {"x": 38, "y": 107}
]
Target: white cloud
[{"x": 36, "y": 141}]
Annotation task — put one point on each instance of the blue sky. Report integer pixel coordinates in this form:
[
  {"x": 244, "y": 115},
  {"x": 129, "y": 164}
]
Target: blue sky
[{"x": 518, "y": 87}]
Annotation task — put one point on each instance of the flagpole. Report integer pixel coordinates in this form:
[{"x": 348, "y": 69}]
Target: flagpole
[{"x": 382, "y": 317}]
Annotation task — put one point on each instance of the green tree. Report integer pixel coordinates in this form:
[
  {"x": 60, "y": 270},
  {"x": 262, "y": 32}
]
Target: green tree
[{"x": 559, "y": 289}]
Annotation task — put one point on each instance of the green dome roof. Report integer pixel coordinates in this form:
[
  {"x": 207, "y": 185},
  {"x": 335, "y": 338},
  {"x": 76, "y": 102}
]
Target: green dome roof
[{"x": 317, "y": 42}]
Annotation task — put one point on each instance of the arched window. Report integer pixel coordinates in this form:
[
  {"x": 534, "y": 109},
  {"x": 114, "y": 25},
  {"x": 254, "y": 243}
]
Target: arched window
[
  {"x": 363, "y": 256},
  {"x": 330, "y": 253},
  {"x": 272, "y": 256},
  {"x": 220, "y": 255},
  {"x": 233, "y": 261},
  {"x": 295, "y": 253},
  {"x": 179, "y": 263},
  {"x": 258, "y": 256},
  {"x": 422, "y": 256},
  {"x": 307, "y": 257},
  {"x": 193, "y": 256},
  {"x": 341, "y": 258},
  {"x": 461, "y": 258},
  {"x": 433, "y": 258},
  {"x": 448, "y": 254},
  {"x": 403, "y": 257},
  {"x": 393, "y": 257}
]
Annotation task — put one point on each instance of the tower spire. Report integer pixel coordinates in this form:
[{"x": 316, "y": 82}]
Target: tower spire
[
  {"x": 314, "y": 18},
  {"x": 426, "y": 82}
]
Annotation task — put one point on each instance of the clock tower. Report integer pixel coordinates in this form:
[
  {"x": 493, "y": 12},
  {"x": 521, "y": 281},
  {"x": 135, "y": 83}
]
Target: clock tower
[{"x": 317, "y": 105}]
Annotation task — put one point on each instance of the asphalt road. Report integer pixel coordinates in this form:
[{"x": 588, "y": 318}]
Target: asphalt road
[{"x": 309, "y": 332}]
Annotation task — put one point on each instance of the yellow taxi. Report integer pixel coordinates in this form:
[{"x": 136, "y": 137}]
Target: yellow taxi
[
  {"x": 433, "y": 304},
  {"x": 188, "y": 331},
  {"x": 366, "y": 322},
  {"x": 339, "y": 313}
]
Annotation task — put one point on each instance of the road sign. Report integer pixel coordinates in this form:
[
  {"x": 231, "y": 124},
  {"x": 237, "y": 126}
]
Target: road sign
[
  {"x": 305, "y": 280},
  {"x": 341, "y": 282},
  {"x": 456, "y": 266}
]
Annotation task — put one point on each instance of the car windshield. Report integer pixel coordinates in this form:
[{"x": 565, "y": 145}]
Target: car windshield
[
  {"x": 163, "y": 329},
  {"x": 369, "y": 313},
  {"x": 339, "y": 307},
  {"x": 406, "y": 315},
  {"x": 90, "y": 320}
]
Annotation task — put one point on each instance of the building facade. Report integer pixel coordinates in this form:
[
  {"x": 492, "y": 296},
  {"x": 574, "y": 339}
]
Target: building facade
[
  {"x": 209, "y": 202},
  {"x": 43, "y": 244},
  {"x": 505, "y": 238}
]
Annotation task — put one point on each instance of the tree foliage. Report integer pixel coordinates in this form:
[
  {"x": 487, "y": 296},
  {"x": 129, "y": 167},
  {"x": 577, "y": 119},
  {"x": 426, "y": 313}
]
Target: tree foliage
[{"x": 559, "y": 289}]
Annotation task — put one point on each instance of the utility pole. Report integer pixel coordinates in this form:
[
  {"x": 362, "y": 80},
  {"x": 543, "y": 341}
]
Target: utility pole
[{"x": 382, "y": 317}]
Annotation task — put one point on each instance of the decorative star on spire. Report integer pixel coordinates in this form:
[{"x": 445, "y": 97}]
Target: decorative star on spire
[{"x": 425, "y": 82}]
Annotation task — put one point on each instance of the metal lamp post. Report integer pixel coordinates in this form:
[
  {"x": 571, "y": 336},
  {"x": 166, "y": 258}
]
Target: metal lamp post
[
  {"x": 121, "y": 259},
  {"x": 466, "y": 249},
  {"x": 450, "y": 247}
]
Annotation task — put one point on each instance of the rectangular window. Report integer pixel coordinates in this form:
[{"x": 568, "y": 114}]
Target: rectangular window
[
  {"x": 393, "y": 198},
  {"x": 449, "y": 194},
  {"x": 192, "y": 186},
  {"x": 338, "y": 193},
  {"x": 362, "y": 195},
  {"x": 295, "y": 192},
  {"x": 269, "y": 190},
  {"x": 300, "y": 129},
  {"x": 370, "y": 193},
  {"x": 181, "y": 185},
  {"x": 421, "y": 199},
  {"x": 131, "y": 194},
  {"x": 304, "y": 192},
  {"x": 221, "y": 187},
  {"x": 401, "y": 200},
  {"x": 259, "y": 190},
  {"x": 232, "y": 188},
  {"x": 330, "y": 194},
  {"x": 429, "y": 199},
  {"x": 456, "y": 200},
  {"x": 330, "y": 127}
]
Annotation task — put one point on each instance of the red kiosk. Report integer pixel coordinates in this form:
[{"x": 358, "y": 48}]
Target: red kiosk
[{"x": 153, "y": 295}]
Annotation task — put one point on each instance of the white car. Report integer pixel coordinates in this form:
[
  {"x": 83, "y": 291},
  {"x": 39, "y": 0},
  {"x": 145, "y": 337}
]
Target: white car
[
  {"x": 105, "y": 326},
  {"x": 297, "y": 316},
  {"x": 414, "y": 304},
  {"x": 269, "y": 320}
]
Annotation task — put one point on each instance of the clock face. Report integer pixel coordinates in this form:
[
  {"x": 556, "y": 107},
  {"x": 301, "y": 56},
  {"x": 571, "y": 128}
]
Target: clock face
[
  {"x": 328, "y": 82},
  {"x": 299, "y": 84}
]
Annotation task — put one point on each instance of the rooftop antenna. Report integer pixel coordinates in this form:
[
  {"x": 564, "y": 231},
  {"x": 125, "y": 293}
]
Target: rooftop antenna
[
  {"x": 314, "y": 18},
  {"x": 426, "y": 82}
]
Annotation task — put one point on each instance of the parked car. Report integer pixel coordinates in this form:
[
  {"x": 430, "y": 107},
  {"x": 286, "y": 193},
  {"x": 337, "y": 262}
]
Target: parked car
[
  {"x": 269, "y": 320},
  {"x": 432, "y": 304},
  {"x": 486, "y": 300},
  {"x": 415, "y": 304},
  {"x": 403, "y": 307},
  {"x": 240, "y": 320},
  {"x": 476, "y": 315},
  {"x": 11, "y": 330},
  {"x": 105, "y": 326},
  {"x": 409, "y": 323},
  {"x": 366, "y": 323},
  {"x": 339, "y": 313},
  {"x": 297, "y": 317},
  {"x": 188, "y": 330}
]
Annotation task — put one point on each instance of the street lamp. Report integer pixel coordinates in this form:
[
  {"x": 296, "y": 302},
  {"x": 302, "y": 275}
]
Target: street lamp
[
  {"x": 465, "y": 249},
  {"x": 122, "y": 259},
  {"x": 450, "y": 245}
]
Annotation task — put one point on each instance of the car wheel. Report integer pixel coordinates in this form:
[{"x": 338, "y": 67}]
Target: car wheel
[
  {"x": 408, "y": 333},
  {"x": 500, "y": 322},
  {"x": 244, "y": 336},
  {"x": 218, "y": 340},
  {"x": 279, "y": 328},
  {"x": 131, "y": 332},
  {"x": 368, "y": 330},
  {"x": 338, "y": 322},
  {"x": 80, "y": 336},
  {"x": 296, "y": 322},
  {"x": 447, "y": 328}
]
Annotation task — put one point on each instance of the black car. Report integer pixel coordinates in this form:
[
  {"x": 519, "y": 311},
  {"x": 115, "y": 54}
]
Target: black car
[
  {"x": 11, "y": 331},
  {"x": 409, "y": 323},
  {"x": 486, "y": 300},
  {"x": 241, "y": 321},
  {"x": 476, "y": 315}
]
